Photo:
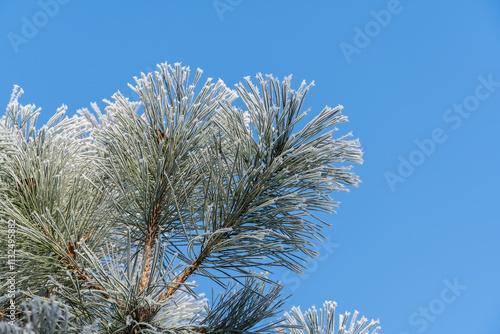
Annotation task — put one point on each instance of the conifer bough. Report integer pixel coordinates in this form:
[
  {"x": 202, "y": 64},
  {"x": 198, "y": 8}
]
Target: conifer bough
[{"x": 117, "y": 211}]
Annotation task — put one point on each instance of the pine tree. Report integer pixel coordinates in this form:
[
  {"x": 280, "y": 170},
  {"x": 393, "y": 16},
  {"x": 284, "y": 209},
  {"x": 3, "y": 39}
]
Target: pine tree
[{"x": 107, "y": 217}]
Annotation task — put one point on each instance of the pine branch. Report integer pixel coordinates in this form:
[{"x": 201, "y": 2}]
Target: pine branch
[
  {"x": 323, "y": 321},
  {"x": 274, "y": 148},
  {"x": 222, "y": 189}
]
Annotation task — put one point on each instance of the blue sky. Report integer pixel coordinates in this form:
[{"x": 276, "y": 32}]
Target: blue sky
[{"x": 417, "y": 244}]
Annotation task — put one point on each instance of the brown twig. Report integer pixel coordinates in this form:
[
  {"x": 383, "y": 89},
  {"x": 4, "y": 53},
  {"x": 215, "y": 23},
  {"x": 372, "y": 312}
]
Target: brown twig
[
  {"x": 149, "y": 243},
  {"x": 70, "y": 252}
]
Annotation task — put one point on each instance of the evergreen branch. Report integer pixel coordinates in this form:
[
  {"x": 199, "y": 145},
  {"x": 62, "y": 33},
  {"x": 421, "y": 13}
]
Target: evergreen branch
[
  {"x": 264, "y": 181},
  {"x": 323, "y": 321},
  {"x": 222, "y": 189}
]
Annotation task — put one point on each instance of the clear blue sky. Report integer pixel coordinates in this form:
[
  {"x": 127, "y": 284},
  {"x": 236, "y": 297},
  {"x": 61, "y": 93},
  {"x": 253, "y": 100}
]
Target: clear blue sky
[{"x": 421, "y": 89}]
